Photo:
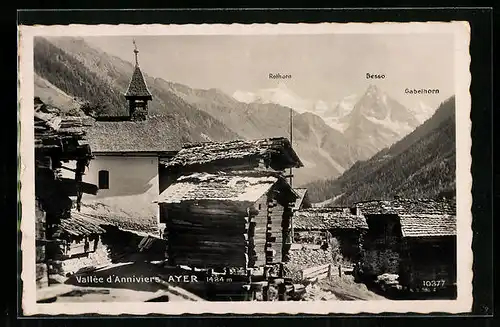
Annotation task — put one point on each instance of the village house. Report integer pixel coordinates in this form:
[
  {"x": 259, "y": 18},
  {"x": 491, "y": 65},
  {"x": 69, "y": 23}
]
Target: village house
[
  {"x": 227, "y": 219},
  {"x": 413, "y": 238},
  {"x": 127, "y": 153},
  {"x": 428, "y": 251},
  {"x": 331, "y": 227},
  {"x": 59, "y": 141},
  {"x": 241, "y": 178}
]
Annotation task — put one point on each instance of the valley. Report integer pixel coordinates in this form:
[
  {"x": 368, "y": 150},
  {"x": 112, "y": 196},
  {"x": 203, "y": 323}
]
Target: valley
[{"x": 329, "y": 137}]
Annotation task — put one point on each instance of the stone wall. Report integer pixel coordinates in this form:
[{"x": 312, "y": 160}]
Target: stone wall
[
  {"x": 309, "y": 237},
  {"x": 87, "y": 261},
  {"x": 65, "y": 266},
  {"x": 306, "y": 256}
]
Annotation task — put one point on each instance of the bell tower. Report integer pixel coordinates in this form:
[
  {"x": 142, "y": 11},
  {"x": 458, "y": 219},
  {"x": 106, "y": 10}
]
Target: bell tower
[{"x": 137, "y": 93}]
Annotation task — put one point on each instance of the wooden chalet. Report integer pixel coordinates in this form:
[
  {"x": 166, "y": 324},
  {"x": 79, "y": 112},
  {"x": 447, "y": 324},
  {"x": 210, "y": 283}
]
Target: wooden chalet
[
  {"x": 58, "y": 140},
  {"x": 223, "y": 219},
  {"x": 414, "y": 238},
  {"x": 321, "y": 225}
]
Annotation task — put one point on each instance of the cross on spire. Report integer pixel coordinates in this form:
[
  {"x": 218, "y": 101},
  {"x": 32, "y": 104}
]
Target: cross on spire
[{"x": 135, "y": 52}]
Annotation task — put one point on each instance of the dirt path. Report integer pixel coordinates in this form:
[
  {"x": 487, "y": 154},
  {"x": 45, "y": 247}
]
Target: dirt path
[{"x": 345, "y": 288}]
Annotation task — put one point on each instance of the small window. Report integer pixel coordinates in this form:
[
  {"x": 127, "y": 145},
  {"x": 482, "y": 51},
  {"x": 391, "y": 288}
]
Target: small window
[
  {"x": 103, "y": 179},
  {"x": 260, "y": 206}
]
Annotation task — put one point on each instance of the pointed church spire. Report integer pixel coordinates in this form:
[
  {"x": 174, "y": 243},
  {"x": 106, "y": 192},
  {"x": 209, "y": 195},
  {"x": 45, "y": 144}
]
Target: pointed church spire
[{"x": 137, "y": 93}]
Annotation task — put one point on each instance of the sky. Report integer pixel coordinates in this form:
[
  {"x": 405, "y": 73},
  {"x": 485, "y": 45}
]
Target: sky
[{"x": 323, "y": 67}]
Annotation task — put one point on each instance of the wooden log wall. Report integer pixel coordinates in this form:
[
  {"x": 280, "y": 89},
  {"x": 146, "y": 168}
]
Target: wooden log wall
[
  {"x": 258, "y": 233},
  {"x": 207, "y": 236},
  {"x": 381, "y": 246},
  {"x": 287, "y": 232},
  {"x": 274, "y": 244},
  {"x": 216, "y": 235}
]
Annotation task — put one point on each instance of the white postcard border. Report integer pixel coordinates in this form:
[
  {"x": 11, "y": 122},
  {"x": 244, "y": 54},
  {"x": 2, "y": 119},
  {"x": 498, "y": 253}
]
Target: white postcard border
[{"x": 463, "y": 303}]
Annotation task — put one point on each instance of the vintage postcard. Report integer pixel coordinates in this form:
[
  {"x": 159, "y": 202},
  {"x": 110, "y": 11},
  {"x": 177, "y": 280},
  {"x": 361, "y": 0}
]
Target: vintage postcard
[{"x": 178, "y": 169}]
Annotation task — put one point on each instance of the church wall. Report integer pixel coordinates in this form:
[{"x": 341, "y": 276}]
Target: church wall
[{"x": 133, "y": 186}]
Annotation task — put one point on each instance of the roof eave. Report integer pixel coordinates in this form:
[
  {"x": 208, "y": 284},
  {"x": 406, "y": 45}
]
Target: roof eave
[
  {"x": 161, "y": 153},
  {"x": 148, "y": 97}
]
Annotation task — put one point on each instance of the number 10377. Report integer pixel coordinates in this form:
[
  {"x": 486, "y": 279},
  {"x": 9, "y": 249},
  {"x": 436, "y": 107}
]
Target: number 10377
[{"x": 433, "y": 283}]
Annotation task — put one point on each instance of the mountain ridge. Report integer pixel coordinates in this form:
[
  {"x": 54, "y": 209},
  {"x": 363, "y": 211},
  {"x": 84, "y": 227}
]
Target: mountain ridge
[
  {"x": 422, "y": 164},
  {"x": 99, "y": 80},
  {"x": 369, "y": 121},
  {"x": 313, "y": 139}
]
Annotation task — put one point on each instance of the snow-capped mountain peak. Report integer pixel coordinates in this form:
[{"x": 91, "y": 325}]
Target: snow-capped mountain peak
[
  {"x": 377, "y": 120},
  {"x": 281, "y": 94},
  {"x": 372, "y": 90},
  {"x": 245, "y": 97},
  {"x": 343, "y": 107}
]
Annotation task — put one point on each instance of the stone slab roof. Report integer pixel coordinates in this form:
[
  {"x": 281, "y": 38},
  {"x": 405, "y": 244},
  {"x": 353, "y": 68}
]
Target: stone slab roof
[
  {"x": 215, "y": 152},
  {"x": 232, "y": 187},
  {"x": 52, "y": 128},
  {"x": 150, "y": 135},
  {"x": 407, "y": 206},
  {"x": 327, "y": 218},
  {"x": 428, "y": 225},
  {"x": 81, "y": 225},
  {"x": 137, "y": 86}
]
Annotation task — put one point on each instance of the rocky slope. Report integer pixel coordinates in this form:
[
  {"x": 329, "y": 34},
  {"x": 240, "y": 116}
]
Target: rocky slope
[
  {"x": 377, "y": 121},
  {"x": 323, "y": 150}
]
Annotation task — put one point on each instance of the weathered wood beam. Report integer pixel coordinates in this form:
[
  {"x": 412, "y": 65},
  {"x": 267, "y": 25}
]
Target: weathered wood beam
[{"x": 71, "y": 187}]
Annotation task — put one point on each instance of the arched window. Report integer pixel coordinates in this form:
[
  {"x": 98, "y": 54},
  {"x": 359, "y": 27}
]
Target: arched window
[{"x": 103, "y": 179}]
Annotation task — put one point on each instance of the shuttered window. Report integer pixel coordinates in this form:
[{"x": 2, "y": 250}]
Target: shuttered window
[{"x": 103, "y": 179}]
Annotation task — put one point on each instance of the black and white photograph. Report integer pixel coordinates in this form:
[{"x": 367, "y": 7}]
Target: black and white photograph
[{"x": 177, "y": 169}]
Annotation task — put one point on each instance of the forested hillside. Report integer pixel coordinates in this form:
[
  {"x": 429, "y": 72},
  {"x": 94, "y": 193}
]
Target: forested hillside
[
  {"x": 67, "y": 74},
  {"x": 99, "y": 82},
  {"x": 420, "y": 165}
]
